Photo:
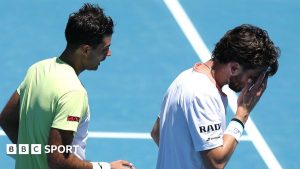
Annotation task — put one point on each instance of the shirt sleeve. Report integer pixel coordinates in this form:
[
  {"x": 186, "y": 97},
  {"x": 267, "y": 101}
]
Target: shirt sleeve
[
  {"x": 20, "y": 87},
  {"x": 71, "y": 107},
  {"x": 26, "y": 78},
  {"x": 204, "y": 122}
]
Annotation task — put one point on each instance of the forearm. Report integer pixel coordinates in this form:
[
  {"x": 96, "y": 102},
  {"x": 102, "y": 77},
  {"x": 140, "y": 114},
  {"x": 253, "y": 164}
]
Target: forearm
[
  {"x": 62, "y": 161},
  {"x": 58, "y": 160},
  {"x": 218, "y": 158}
]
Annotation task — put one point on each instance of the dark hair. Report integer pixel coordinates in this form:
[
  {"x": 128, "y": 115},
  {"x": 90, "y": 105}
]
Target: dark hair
[
  {"x": 250, "y": 46},
  {"x": 88, "y": 26}
]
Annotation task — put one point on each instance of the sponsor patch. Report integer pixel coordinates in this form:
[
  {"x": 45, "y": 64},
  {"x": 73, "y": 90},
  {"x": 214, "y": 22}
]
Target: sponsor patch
[
  {"x": 73, "y": 118},
  {"x": 213, "y": 138}
]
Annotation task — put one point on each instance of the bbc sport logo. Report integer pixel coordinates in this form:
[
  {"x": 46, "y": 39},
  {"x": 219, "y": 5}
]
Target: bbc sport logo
[{"x": 12, "y": 149}]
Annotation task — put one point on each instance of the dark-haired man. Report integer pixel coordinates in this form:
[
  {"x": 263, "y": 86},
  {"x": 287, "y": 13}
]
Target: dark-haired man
[
  {"x": 50, "y": 107},
  {"x": 191, "y": 128}
]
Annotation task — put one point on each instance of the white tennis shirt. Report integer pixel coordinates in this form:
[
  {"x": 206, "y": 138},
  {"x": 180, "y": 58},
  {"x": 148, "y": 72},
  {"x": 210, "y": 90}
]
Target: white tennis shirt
[
  {"x": 80, "y": 137},
  {"x": 192, "y": 119}
]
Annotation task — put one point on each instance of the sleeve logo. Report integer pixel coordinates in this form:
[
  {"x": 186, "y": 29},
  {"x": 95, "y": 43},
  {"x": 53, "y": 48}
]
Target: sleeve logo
[{"x": 73, "y": 118}]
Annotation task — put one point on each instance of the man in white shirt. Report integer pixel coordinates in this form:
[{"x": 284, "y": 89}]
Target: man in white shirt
[{"x": 191, "y": 130}]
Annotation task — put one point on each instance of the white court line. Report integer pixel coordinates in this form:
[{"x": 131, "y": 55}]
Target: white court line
[
  {"x": 204, "y": 54},
  {"x": 123, "y": 135},
  {"x": 119, "y": 135},
  {"x": 2, "y": 133},
  {"x": 127, "y": 135}
]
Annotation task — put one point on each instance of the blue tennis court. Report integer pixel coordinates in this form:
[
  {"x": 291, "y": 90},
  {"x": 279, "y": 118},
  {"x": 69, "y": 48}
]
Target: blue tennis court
[{"x": 154, "y": 41}]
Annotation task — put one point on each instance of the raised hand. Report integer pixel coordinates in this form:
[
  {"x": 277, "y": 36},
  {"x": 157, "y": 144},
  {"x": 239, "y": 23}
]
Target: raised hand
[{"x": 250, "y": 95}]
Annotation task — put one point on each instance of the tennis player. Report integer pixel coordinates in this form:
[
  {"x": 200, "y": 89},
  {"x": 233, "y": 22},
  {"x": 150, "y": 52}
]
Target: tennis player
[
  {"x": 50, "y": 107},
  {"x": 191, "y": 130}
]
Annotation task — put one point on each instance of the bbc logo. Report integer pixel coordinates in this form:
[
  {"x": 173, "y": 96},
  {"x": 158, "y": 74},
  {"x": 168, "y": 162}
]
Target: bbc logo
[
  {"x": 23, "y": 149},
  {"x": 37, "y": 148}
]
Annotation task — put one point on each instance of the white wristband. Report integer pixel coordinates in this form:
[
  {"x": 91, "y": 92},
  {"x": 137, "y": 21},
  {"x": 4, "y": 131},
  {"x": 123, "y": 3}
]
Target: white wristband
[
  {"x": 101, "y": 165},
  {"x": 234, "y": 129}
]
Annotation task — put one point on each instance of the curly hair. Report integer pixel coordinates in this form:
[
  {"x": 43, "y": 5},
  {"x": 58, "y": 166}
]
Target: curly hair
[
  {"x": 88, "y": 26},
  {"x": 250, "y": 46}
]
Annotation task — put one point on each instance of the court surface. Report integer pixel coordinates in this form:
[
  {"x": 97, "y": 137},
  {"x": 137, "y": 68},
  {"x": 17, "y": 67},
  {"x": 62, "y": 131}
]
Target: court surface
[{"x": 154, "y": 41}]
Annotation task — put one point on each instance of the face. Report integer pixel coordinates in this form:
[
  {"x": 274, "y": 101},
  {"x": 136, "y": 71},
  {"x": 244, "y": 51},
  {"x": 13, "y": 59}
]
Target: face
[
  {"x": 98, "y": 54},
  {"x": 238, "y": 82}
]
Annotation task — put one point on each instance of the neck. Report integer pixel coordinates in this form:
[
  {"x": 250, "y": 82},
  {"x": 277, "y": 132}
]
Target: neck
[
  {"x": 217, "y": 72},
  {"x": 69, "y": 56}
]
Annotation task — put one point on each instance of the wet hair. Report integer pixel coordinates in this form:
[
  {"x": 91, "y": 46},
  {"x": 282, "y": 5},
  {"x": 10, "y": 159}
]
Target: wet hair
[
  {"x": 249, "y": 46},
  {"x": 88, "y": 26}
]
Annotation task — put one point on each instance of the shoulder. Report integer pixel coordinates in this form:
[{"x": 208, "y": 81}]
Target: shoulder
[
  {"x": 37, "y": 65},
  {"x": 57, "y": 76},
  {"x": 42, "y": 63},
  {"x": 197, "y": 84},
  {"x": 190, "y": 86}
]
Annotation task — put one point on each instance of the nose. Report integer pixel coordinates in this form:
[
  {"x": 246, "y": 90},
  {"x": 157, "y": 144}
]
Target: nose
[{"x": 109, "y": 53}]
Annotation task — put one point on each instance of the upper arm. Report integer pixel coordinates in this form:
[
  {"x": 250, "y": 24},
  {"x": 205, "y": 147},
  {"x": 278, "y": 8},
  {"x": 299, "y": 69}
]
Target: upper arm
[
  {"x": 205, "y": 123},
  {"x": 11, "y": 110},
  {"x": 9, "y": 117},
  {"x": 71, "y": 108},
  {"x": 211, "y": 160},
  {"x": 208, "y": 115},
  {"x": 60, "y": 137}
]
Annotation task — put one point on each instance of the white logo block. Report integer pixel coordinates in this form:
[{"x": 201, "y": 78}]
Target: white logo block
[
  {"x": 36, "y": 149},
  {"x": 11, "y": 149},
  {"x": 23, "y": 148}
]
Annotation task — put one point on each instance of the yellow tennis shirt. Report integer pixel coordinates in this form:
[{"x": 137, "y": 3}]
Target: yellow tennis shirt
[{"x": 51, "y": 95}]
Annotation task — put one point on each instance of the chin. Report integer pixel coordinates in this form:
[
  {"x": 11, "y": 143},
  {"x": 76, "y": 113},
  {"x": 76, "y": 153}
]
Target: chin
[
  {"x": 236, "y": 89},
  {"x": 93, "y": 68}
]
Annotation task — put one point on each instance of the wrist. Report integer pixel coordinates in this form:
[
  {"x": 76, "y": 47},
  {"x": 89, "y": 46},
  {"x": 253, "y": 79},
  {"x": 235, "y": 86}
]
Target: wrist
[
  {"x": 243, "y": 119},
  {"x": 239, "y": 121},
  {"x": 235, "y": 129},
  {"x": 242, "y": 115},
  {"x": 101, "y": 165}
]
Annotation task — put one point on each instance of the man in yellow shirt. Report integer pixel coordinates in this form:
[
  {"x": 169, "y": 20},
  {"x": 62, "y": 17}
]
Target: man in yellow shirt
[{"x": 50, "y": 107}]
